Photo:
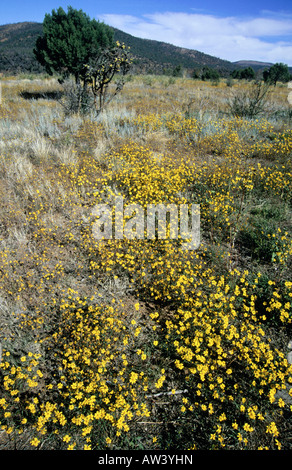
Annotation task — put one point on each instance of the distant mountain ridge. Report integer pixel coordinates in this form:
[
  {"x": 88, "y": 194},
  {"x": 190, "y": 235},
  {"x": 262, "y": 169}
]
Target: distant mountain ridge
[
  {"x": 255, "y": 64},
  {"x": 17, "y": 41}
]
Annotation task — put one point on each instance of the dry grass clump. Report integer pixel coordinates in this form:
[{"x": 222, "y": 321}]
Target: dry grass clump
[{"x": 137, "y": 343}]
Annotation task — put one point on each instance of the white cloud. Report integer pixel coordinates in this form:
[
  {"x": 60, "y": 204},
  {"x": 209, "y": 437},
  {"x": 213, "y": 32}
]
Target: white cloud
[{"x": 230, "y": 38}]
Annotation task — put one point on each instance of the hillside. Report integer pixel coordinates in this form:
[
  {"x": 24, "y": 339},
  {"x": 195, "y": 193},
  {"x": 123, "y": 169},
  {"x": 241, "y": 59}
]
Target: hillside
[
  {"x": 160, "y": 56},
  {"x": 16, "y": 47},
  {"x": 149, "y": 56},
  {"x": 17, "y": 42}
]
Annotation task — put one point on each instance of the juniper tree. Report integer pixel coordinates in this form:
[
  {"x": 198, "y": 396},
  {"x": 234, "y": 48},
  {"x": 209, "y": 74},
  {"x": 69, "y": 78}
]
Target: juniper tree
[
  {"x": 277, "y": 73},
  {"x": 70, "y": 40}
]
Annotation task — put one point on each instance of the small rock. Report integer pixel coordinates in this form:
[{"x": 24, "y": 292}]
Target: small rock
[
  {"x": 284, "y": 394},
  {"x": 289, "y": 357},
  {"x": 290, "y": 344}
]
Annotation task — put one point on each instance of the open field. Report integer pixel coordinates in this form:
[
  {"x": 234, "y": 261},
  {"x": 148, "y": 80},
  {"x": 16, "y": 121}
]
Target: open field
[{"x": 140, "y": 344}]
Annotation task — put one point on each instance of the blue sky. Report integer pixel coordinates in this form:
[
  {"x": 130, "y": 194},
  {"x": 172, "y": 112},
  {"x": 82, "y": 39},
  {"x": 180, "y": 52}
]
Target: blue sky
[{"x": 253, "y": 30}]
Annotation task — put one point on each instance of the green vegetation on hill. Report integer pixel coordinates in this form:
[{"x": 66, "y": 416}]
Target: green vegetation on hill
[
  {"x": 18, "y": 40},
  {"x": 163, "y": 57},
  {"x": 16, "y": 47}
]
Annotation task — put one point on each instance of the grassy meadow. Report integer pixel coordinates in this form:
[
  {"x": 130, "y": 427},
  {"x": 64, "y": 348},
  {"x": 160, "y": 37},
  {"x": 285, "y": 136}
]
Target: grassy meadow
[{"x": 140, "y": 344}]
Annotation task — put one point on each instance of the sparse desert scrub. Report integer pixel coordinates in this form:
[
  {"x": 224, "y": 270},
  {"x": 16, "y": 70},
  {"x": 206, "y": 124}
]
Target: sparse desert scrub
[{"x": 126, "y": 344}]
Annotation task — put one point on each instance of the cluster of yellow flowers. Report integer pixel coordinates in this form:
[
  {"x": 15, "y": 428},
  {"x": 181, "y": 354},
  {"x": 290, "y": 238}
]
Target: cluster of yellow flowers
[{"x": 191, "y": 325}]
